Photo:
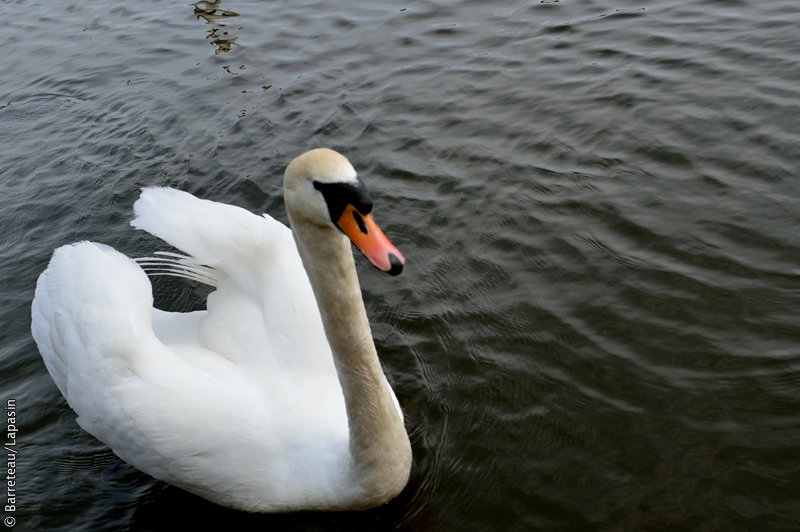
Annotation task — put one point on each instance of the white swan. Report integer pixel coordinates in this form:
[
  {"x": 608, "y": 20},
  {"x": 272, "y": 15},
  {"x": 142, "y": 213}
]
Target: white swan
[{"x": 273, "y": 399}]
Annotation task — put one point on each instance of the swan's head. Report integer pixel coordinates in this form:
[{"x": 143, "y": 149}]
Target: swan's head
[{"x": 321, "y": 188}]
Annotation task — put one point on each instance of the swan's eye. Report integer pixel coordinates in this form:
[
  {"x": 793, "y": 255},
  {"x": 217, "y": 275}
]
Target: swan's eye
[{"x": 339, "y": 195}]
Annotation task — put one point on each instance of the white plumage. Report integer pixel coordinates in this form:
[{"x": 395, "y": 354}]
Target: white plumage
[{"x": 242, "y": 403}]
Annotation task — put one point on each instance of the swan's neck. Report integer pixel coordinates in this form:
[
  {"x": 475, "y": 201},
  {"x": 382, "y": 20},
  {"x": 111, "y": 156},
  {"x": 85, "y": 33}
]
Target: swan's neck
[{"x": 379, "y": 447}]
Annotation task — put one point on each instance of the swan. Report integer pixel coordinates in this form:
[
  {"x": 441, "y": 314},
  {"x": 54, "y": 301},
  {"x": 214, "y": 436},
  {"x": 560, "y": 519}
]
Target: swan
[{"x": 271, "y": 400}]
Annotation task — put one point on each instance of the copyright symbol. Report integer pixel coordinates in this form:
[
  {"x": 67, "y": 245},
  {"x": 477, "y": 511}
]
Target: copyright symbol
[{"x": 10, "y": 521}]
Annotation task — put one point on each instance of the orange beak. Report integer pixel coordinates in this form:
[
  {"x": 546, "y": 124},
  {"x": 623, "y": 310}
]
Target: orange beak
[{"x": 370, "y": 240}]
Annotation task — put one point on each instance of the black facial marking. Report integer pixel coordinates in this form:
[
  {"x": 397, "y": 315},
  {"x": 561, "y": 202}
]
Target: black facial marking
[
  {"x": 339, "y": 195},
  {"x": 360, "y": 222}
]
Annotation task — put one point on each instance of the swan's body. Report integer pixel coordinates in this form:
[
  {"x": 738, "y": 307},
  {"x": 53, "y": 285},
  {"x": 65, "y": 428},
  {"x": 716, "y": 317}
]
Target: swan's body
[{"x": 248, "y": 404}]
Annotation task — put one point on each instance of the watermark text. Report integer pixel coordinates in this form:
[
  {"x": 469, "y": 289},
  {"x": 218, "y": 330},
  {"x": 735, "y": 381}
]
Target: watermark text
[{"x": 10, "y": 447}]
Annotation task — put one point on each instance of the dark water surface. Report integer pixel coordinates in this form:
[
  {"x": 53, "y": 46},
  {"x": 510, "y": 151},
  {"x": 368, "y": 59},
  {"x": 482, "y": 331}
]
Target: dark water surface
[{"x": 598, "y": 326}]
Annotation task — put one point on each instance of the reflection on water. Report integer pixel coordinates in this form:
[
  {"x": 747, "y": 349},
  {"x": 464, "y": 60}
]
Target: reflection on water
[
  {"x": 212, "y": 14},
  {"x": 222, "y": 43}
]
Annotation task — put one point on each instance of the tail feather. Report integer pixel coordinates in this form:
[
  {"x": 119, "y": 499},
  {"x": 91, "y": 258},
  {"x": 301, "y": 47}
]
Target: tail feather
[{"x": 91, "y": 303}]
